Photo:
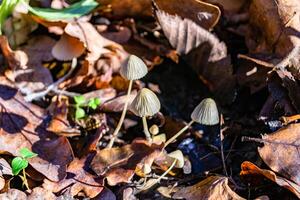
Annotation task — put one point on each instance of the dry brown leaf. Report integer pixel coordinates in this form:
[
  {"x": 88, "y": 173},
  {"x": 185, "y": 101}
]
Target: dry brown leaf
[
  {"x": 281, "y": 152},
  {"x": 59, "y": 123},
  {"x": 119, "y": 164},
  {"x": 204, "y": 14},
  {"x": 39, "y": 193},
  {"x": 128, "y": 8},
  {"x": 249, "y": 169},
  {"x": 13, "y": 194},
  {"x": 117, "y": 104},
  {"x": 202, "y": 50},
  {"x": 5, "y": 168},
  {"x": 213, "y": 187},
  {"x": 26, "y": 66},
  {"x": 77, "y": 180},
  {"x": 229, "y": 6},
  {"x": 22, "y": 125}
]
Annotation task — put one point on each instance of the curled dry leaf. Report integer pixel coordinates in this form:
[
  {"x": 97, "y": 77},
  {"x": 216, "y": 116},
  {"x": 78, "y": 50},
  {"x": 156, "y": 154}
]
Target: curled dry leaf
[
  {"x": 77, "y": 180},
  {"x": 22, "y": 125},
  {"x": 204, "y": 14},
  {"x": 40, "y": 193},
  {"x": 26, "y": 66},
  {"x": 202, "y": 50},
  {"x": 117, "y": 104},
  {"x": 281, "y": 152},
  {"x": 119, "y": 164},
  {"x": 213, "y": 187},
  {"x": 59, "y": 123},
  {"x": 249, "y": 169}
]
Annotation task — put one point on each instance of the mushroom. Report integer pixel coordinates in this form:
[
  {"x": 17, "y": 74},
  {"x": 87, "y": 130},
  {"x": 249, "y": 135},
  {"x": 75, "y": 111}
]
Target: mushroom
[
  {"x": 178, "y": 156},
  {"x": 145, "y": 104},
  {"x": 134, "y": 70},
  {"x": 205, "y": 113}
]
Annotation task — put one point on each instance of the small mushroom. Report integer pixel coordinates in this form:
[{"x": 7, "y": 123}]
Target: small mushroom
[
  {"x": 154, "y": 130},
  {"x": 135, "y": 69},
  {"x": 145, "y": 104},
  {"x": 179, "y": 158},
  {"x": 205, "y": 113}
]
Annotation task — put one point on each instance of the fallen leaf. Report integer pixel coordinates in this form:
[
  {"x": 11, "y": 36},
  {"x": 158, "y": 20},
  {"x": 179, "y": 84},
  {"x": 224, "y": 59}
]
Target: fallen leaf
[
  {"x": 26, "y": 66},
  {"x": 13, "y": 194},
  {"x": 40, "y": 193},
  {"x": 120, "y": 163},
  {"x": 249, "y": 169},
  {"x": 281, "y": 152},
  {"x": 117, "y": 104},
  {"x": 77, "y": 180},
  {"x": 213, "y": 187},
  {"x": 5, "y": 168},
  {"x": 24, "y": 127},
  {"x": 204, "y": 14},
  {"x": 202, "y": 50}
]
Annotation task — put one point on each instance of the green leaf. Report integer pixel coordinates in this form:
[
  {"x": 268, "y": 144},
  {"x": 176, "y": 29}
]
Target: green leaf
[
  {"x": 79, "y": 113},
  {"x": 79, "y": 100},
  {"x": 18, "y": 164},
  {"x": 6, "y": 9},
  {"x": 94, "y": 102},
  {"x": 26, "y": 153},
  {"x": 74, "y": 11}
]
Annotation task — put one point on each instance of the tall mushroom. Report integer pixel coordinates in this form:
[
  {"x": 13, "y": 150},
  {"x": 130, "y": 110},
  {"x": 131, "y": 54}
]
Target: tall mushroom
[
  {"x": 205, "y": 113},
  {"x": 134, "y": 70},
  {"x": 144, "y": 105}
]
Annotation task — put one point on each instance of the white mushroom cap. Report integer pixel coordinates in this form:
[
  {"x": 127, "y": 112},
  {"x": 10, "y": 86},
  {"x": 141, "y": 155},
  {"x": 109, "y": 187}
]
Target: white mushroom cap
[
  {"x": 135, "y": 68},
  {"x": 206, "y": 112},
  {"x": 179, "y": 157},
  {"x": 145, "y": 103}
]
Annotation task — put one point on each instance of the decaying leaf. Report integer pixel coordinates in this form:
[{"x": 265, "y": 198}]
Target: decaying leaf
[
  {"x": 117, "y": 104},
  {"x": 281, "y": 152},
  {"x": 119, "y": 164},
  {"x": 13, "y": 194},
  {"x": 204, "y": 14},
  {"x": 21, "y": 125},
  {"x": 26, "y": 66},
  {"x": 40, "y": 193},
  {"x": 203, "y": 51},
  {"x": 77, "y": 180},
  {"x": 5, "y": 168},
  {"x": 213, "y": 187},
  {"x": 249, "y": 169}
]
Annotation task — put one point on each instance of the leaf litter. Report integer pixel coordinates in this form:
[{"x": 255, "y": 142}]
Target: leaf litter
[{"x": 243, "y": 54}]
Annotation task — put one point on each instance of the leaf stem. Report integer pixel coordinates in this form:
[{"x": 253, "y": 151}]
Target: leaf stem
[{"x": 115, "y": 133}]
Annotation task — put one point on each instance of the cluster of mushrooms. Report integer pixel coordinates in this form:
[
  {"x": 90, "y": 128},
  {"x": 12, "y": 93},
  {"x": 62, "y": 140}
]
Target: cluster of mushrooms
[{"x": 147, "y": 104}]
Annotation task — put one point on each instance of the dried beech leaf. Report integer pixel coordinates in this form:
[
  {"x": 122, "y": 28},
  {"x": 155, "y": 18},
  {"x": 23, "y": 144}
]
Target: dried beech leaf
[
  {"x": 119, "y": 164},
  {"x": 40, "y": 193},
  {"x": 204, "y": 14},
  {"x": 26, "y": 66},
  {"x": 77, "y": 180},
  {"x": 117, "y": 104},
  {"x": 213, "y": 187},
  {"x": 13, "y": 194},
  {"x": 22, "y": 125},
  {"x": 185, "y": 35},
  {"x": 5, "y": 168},
  {"x": 281, "y": 152},
  {"x": 249, "y": 168}
]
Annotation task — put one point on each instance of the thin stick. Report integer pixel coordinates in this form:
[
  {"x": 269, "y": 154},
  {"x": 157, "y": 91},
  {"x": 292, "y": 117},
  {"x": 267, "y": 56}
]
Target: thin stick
[
  {"x": 115, "y": 133},
  {"x": 146, "y": 130},
  {"x": 222, "y": 149},
  {"x": 178, "y": 133}
]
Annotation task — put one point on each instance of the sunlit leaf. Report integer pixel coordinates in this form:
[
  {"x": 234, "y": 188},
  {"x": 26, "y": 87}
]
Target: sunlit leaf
[
  {"x": 79, "y": 100},
  {"x": 74, "y": 11},
  {"x": 26, "y": 153},
  {"x": 79, "y": 113},
  {"x": 18, "y": 164}
]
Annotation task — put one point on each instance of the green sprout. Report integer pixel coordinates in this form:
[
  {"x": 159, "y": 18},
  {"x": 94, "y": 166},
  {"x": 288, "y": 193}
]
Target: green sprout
[
  {"x": 81, "y": 102},
  {"x": 20, "y": 163}
]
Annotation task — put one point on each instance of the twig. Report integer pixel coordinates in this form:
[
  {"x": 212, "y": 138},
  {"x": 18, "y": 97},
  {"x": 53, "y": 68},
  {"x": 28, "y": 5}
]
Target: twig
[
  {"x": 222, "y": 150},
  {"x": 249, "y": 139},
  {"x": 54, "y": 86}
]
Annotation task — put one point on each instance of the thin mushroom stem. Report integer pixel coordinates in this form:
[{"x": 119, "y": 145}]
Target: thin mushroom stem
[
  {"x": 115, "y": 133},
  {"x": 146, "y": 130},
  {"x": 179, "y": 133}
]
